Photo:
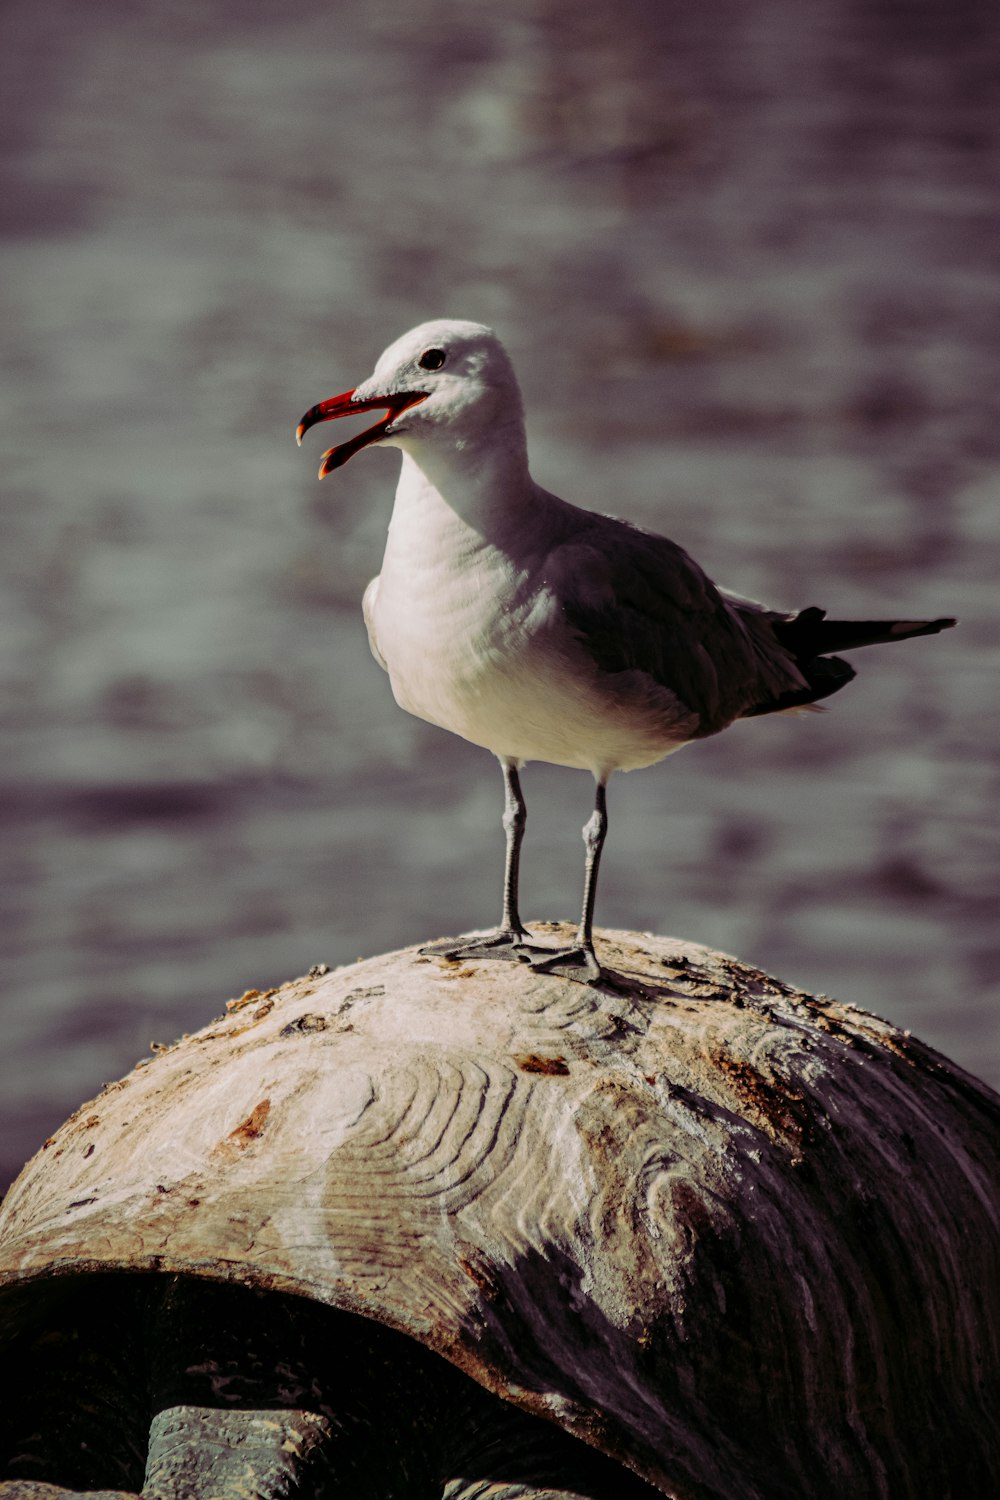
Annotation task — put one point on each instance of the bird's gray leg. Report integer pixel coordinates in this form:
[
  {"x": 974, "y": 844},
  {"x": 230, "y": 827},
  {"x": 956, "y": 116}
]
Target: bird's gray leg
[
  {"x": 595, "y": 831},
  {"x": 515, "y": 816},
  {"x": 512, "y": 938},
  {"x": 580, "y": 961}
]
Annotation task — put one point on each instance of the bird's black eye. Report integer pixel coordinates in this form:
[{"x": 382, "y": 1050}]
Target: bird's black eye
[{"x": 432, "y": 359}]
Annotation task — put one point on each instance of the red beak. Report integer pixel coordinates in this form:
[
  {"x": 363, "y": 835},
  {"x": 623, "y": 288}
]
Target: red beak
[{"x": 346, "y": 406}]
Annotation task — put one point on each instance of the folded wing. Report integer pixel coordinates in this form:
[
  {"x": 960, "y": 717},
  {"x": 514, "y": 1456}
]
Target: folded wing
[{"x": 638, "y": 603}]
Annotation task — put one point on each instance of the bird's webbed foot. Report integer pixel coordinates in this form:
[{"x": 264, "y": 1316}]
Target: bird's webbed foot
[
  {"x": 578, "y": 962},
  {"x": 511, "y": 943}
]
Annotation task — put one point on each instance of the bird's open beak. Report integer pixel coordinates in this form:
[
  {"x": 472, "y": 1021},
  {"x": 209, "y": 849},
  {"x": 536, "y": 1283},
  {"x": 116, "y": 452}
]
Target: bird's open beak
[{"x": 347, "y": 406}]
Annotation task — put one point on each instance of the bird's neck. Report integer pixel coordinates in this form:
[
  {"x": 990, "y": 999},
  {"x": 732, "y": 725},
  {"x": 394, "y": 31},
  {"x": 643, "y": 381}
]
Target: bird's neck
[{"x": 480, "y": 487}]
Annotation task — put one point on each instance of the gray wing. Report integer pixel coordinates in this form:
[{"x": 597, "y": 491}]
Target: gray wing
[{"x": 638, "y": 603}]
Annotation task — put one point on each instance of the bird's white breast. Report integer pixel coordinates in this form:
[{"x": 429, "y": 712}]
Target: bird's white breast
[{"x": 478, "y": 645}]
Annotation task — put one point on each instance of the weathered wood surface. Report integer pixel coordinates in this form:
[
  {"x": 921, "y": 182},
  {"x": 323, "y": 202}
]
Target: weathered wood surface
[{"x": 744, "y": 1239}]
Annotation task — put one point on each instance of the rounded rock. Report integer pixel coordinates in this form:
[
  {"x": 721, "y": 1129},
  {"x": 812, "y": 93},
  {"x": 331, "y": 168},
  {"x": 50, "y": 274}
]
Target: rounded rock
[{"x": 734, "y": 1236}]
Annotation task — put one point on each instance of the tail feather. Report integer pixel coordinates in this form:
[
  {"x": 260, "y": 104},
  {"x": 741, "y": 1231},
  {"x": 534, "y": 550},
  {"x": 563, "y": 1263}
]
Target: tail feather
[{"x": 810, "y": 638}]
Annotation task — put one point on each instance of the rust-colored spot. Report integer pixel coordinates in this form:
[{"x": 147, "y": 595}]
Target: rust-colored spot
[
  {"x": 158, "y": 1047},
  {"x": 244, "y": 999},
  {"x": 770, "y": 1104},
  {"x": 691, "y": 1209},
  {"x": 248, "y": 997},
  {"x": 532, "y": 1062},
  {"x": 481, "y": 1276},
  {"x": 91, "y": 1121},
  {"x": 263, "y": 1010},
  {"x": 193, "y": 1202},
  {"x": 252, "y": 1126}
]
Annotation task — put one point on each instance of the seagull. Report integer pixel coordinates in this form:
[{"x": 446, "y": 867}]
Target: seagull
[{"x": 541, "y": 631}]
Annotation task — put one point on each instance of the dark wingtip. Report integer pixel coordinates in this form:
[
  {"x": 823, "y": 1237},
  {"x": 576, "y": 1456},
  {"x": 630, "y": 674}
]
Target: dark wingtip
[
  {"x": 904, "y": 629},
  {"x": 809, "y": 634}
]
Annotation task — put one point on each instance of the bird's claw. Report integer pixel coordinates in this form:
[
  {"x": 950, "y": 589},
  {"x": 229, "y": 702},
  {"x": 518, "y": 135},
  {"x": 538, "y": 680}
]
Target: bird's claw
[
  {"x": 515, "y": 946},
  {"x": 508, "y": 943},
  {"x": 578, "y": 962}
]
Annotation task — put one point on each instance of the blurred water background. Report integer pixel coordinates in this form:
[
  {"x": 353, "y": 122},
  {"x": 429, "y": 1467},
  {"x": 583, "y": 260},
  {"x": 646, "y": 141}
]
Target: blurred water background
[{"x": 746, "y": 259}]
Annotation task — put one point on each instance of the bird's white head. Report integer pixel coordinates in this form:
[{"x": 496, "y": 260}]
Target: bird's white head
[{"x": 447, "y": 384}]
